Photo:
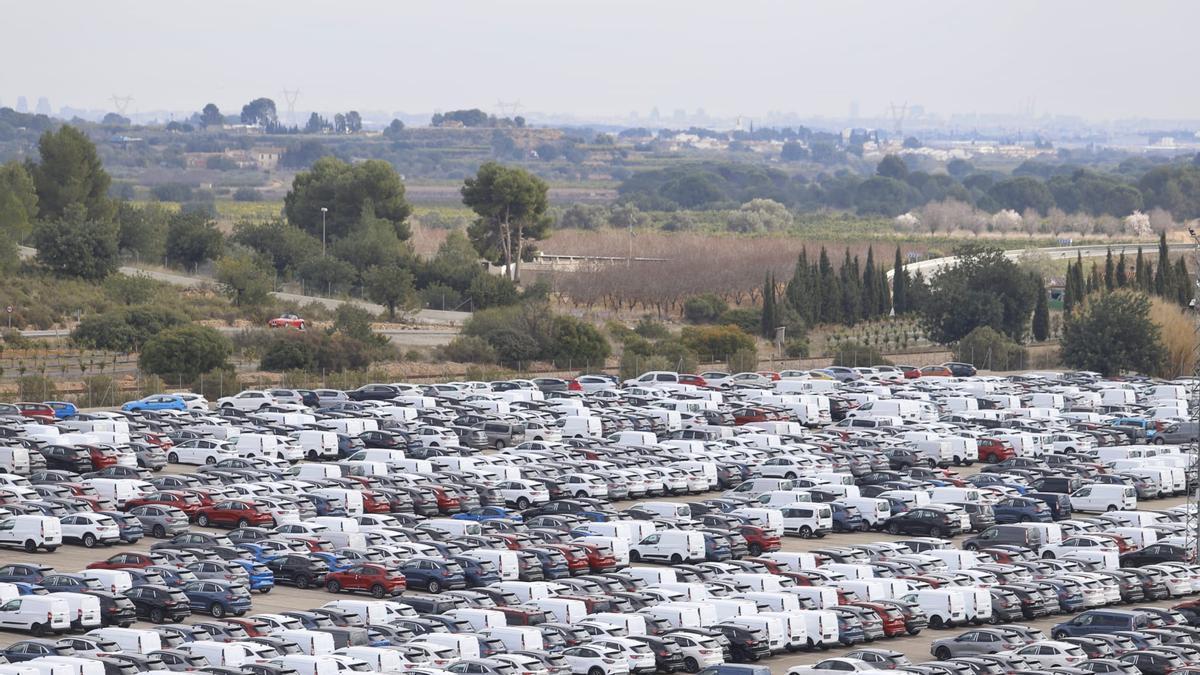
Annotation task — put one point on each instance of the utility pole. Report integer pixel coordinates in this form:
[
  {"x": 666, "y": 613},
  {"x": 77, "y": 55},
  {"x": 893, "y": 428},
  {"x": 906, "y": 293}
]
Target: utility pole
[
  {"x": 324, "y": 210},
  {"x": 1194, "y": 448}
]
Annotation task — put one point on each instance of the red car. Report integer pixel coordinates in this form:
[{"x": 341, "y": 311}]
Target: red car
[
  {"x": 769, "y": 374},
  {"x": 253, "y": 627},
  {"x": 181, "y": 500},
  {"x": 286, "y": 321},
  {"x": 102, "y": 458},
  {"x": 38, "y": 411},
  {"x": 992, "y": 450},
  {"x": 599, "y": 560},
  {"x": 375, "y": 502},
  {"x": 129, "y": 559},
  {"x": 577, "y": 557},
  {"x": 370, "y": 578},
  {"x": 893, "y": 619},
  {"x": 935, "y": 371},
  {"x": 910, "y": 372},
  {"x": 758, "y": 540},
  {"x": 234, "y": 513},
  {"x": 159, "y": 440},
  {"x": 694, "y": 380}
]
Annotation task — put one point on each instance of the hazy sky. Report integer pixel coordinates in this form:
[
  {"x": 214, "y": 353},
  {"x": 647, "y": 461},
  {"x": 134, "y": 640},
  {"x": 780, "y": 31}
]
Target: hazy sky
[{"x": 1095, "y": 58}]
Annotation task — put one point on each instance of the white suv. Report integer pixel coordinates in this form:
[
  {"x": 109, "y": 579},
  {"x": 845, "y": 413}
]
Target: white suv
[
  {"x": 247, "y": 400},
  {"x": 588, "y": 659},
  {"x": 90, "y": 529}
]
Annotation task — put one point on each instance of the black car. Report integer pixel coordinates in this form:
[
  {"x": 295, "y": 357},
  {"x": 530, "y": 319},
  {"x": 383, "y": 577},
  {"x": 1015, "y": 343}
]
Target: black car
[
  {"x": 924, "y": 521},
  {"x": 382, "y": 438},
  {"x": 193, "y": 540},
  {"x": 1154, "y": 554},
  {"x": 115, "y": 609},
  {"x": 668, "y": 656},
  {"x": 159, "y": 604},
  {"x": 299, "y": 570},
  {"x": 961, "y": 369},
  {"x": 747, "y": 646},
  {"x": 374, "y": 392},
  {"x": 116, "y": 666},
  {"x": 143, "y": 662},
  {"x": 63, "y": 458},
  {"x": 26, "y": 650}
]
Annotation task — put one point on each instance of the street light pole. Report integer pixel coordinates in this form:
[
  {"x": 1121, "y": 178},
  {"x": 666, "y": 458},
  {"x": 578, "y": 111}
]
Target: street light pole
[{"x": 324, "y": 210}]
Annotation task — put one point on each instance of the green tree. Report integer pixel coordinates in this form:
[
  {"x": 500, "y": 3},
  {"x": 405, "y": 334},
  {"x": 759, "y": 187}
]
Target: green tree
[
  {"x": 260, "y": 111},
  {"x": 1113, "y": 333},
  {"x": 346, "y": 190},
  {"x": 892, "y": 166},
  {"x": 184, "y": 352},
  {"x": 192, "y": 239},
  {"x": 211, "y": 116},
  {"x": 769, "y": 318},
  {"x": 1163, "y": 283},
  {"x": 577, "y": 343},
  {"x": 880, "y": 195},
  {"x": 390, "y": 286},
  {"x": 142, "y": 230},
  {"x": 18, "y": 202},
  {"x": 1041, "y": 315},
  {"x": 137, "y": 289},
  {"x": 325, "y": 275},
  {"x": 1110, "y": 272},
  {"x": 373, "y": 243},
  {"x": 987, "y": 348},
  {"x": 1021, "y": 193},
  {"x": 983, "y": 288},
  {"x": 899, "y": 283},
  {"x": 285, "y": 245},
  {"x": 511, "y": 205},
  {"x": 74, "y": 246},
  {"x": 70, "y": 174},
  {"x": 244, "y": 279}
]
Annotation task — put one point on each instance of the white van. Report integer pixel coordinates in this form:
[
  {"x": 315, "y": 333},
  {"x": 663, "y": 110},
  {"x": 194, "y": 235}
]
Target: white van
[
  {"x": 633, "y": 624},
  {"x": 955, "y": 559},
  {"x": 456, "y": 527},
  {"x": 317, "y": 445},
  {"x": 943, "y": 607},
  {"x": 370, "y": 611},
  {"x": 821, "y": 625},
  {"x": 311, "y": 642},
  {"x": 303, "y": 664},
  {"x": 14, "y": 459},
  {"x": 677, "y": 614},
  {"x": 117, "y": 490},
  {"x": 115, "y": 581},
  {"x": 806, "y": 519},
  {"x": 31, "y": 533},
  {"x": 794, "y": 561},
  {"x": 582, "y": 426},
  {"x": 673, "y": 546},
  {"x": 774, "y": 627},
  {"x": 617, "y": 546},
  {"x": 348, "y": 501},
  {"x": 564, "y": 610},
  {"x": 479, "y": 618},
  {"x": 85, "y": 609},
  {"x": 874, "y": 511},
  {"x": 730, "y": 607},
  {"x": 130, "y": 639},
  {"x": 47, "y": 667},
  {"x": 770, "y": 520},
  {"x": 1100, "y": 497},
  {"x": 315, "y": 471},
  {"x": 516, "y": 638},
  {"x": 653, "y": 575},
  {"x": 37, "y": 614},
  {"x": 506, "y": 562},
  {"x": 78, "y": 664},
  {"x": 378, "y": 659}
]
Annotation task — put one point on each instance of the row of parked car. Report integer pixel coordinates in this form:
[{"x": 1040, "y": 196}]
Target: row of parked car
[{"x": 495, "y": 500}]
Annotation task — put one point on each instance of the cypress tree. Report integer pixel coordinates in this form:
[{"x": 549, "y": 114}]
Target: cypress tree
[
  {"x": 899, "y": 284},
  {"x": 1080, "y": 282},
  {"x": 768, "y": 307},
  {"x": 883, "y": 293},
  {"x": 1070, "y": 293},
  {"x": 1183, "y": 283},
  {"x": 1122, "y": 273},
  {"x": 870, "y": 299},
  {"x": 829, "y": 291},
  {"x": 1041, "y": 314},
  {"x": 1139, "y": 271},
  {"x": 798, "y": 292},
  {"x": 1110, "y": 277},
  {"x": 1162, "y": 276},
  {"x": 1095, "y": 282}
]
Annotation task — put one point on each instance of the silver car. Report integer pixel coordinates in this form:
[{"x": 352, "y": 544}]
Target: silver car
[
  {"x": 160, "y": 522},
  {"x": 220, "y": 570},
  {"x": 973, "y": 642}
]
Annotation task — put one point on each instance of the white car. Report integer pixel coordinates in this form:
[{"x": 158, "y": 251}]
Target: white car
[
  {"x": 200, "y": 451},
  {"x": 1051, "y": 654},
  {"x": 837, "y": 663},
  {"x": 523, "y": 493},
  {"x": 589, "y": 659},
  {"x": 89, "y": 529},
  {"x": 699, "y": 651},
  {"x": 593, "y": 383},
  {"x": 248, "y": 400},
  {"x": 638, "y": 655},
  {"x": 436, "y": 437},
  {"x": 194, "y": 401},
  {"x": 753, "y": 380},
  {"x": 1092, "y": 548}
]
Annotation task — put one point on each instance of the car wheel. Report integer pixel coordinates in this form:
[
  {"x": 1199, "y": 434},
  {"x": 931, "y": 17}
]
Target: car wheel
[
  {"x": 676, "y": 559},
  {"x": 302, "y": 581},
  {"x": 942, "y": 653},
  {"x": 89, "y": 540},
  {"x": 217, "y": 610},
  {"x": 38, "y": 629},
  {"x": 958, "y": 460},
  {"x": 378, "y": 591},
  {"x": 333, "y": 587},
  {"x": 159, "y": 532},
  {"x": 936, "y": 622},
  {"x": 172, "y": 458},
  {"x": 936, "y": 532},
  {"x": 691, "y": 665},
  {"x": 30, "y": 546},
  {"x": 1111, "y": 507},
  {"x": 522, "y": 503},
  {"x": 754, "y": 549},
  {"x": 202, "y": 520},
  {"x": 266, "y": 590},
  {"x": 634, "y": 556},
  {"x": 210, "y": 460},
  {"x": 156, "y": 615},
  {"x": 1048, "y": 555},
  {"x": 1158, "y": 440},
  {"x": 595, "y": 670},
  {"x": 805, "y": 532},
  {"x": 1059, "y": 635},
  {"x": 893, "y": 528},
  {"x": 434, "y": 586},
  {"x": 242, "y": 522},
  {"x": 313, "y": 456},
  {"x": 499, "y": 444},
  {"x": 580, "y": 494},
  {"x": 992, "y": 459},
  {"x": 790, "y": 476}
]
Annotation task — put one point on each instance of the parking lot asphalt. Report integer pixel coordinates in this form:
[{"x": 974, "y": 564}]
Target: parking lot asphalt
[{"x": 70, "y": 558}]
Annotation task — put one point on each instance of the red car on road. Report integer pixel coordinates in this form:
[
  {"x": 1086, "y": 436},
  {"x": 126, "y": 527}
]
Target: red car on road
[
  {"x": 122, "y": 561},
  {"x": 234, "y": 513},
  {"x": 286, "y": 321},
  {"x": 370, "y": 578},
  {"x": 181, "y": 500}
]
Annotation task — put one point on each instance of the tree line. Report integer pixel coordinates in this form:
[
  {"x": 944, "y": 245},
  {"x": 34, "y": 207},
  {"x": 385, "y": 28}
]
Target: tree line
[{"x": 1159, "y": 277}]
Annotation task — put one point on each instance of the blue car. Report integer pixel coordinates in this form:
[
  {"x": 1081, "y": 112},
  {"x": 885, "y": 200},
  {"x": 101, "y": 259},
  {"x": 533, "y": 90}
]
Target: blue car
[
  {"x": 25, "y": 588},
  {"x": 68, "y": 583},
  {"x": 987, "y": 479},
  {"x": 156, "y": 402},
  {"x": 1021, "y": 510},
  {"x": 217, "y": 597},
  {"x": 489, "y": 513},
  {"x": 62, "y": 409},
  {"x": 478, "y": 572},
  {"x": 173, "y": 576},
  {"x": 259, "y": 552},
  {"x": 433, "y": 574},
  {"x": 30, "y": 573},
  {"x": 716, "y": 550},
  {"x": 262, "y": 579},
  {"x": 554, "y": 563},
  {"x": 130, "y": 527},
  {"x": 27, "y": 650},
  {"x": 847, "y": 518},
  {"x": 336, "y": 562}
]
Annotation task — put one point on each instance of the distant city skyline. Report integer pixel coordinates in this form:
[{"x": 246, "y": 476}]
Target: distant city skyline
[{"x": 1096, "y": 60}]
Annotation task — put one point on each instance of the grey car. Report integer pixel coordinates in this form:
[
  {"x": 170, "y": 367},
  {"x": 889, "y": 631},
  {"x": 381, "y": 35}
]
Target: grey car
[
  {"x": 327, "y": 397},
  {"x": 160, "y": 521},
  {"x": 503, "y": 434},
  {"x": 1177, "y": 433},
  {"x": 150, "y": 456},
  {"x": 220, "y": 570},
  {"x": 974, "y": 642}
]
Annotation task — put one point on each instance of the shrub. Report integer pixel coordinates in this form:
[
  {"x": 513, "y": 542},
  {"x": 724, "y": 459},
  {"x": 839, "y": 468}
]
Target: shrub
[
  {"x": 439, "y": 296},
  {"x": 705, "y": 308},
  {"x": 512, "y": 345},
  {"x": 743, "y": 360},
  {"x": 796, "y": 348},
  {"x": 651, "y": 329},
  {"x": 468, "y": 349},
  {"x": 185, "y": 351},
  {"x": 578, "y": 342},
  {"x": 99, "y": 391},
  {"x": 746, "y": 319},
  {"x": 619, "y": 331},
  {"x": 125, "y": 330},
  {"x": 681, "y": 358},
  {"x": 288, "y": 352},
  {"x": 714, "y": 342},
  {"x": 247, "y": 194},
  {"x": 36, "y": 388},
  {"x": 988, "y": 348},
  {"x": 151, "y": 384},
  {"x": 853, "y": 354}
]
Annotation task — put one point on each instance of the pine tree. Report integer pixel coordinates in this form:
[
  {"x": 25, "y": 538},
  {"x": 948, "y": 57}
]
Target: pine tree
[
  {"x": 1110, "y": 278},
  {"x": 899, "y": 285},
  {"x": 768, "y": 308},
  {"x": 1122, "y": 272},
  {"x": 1041, "y": 314}
]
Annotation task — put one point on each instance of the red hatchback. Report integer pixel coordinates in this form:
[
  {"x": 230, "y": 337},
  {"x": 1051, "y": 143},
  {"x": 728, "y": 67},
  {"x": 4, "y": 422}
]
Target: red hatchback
[
  {"x": 188, "y": 503},
  {"x": 39, "y": 411},
  {"x": 369, "y": 578},
  {"x": 101, "y": 457},
  {"x": 129, "y": 559},
  {"x": 577, "y": 557},
  {"x": 234, "y": 513}
]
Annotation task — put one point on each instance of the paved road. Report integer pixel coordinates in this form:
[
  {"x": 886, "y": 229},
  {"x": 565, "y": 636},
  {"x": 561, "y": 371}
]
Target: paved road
[
  {"x": 72, "y": 558},
  {"x": 932, "y": 266}
]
